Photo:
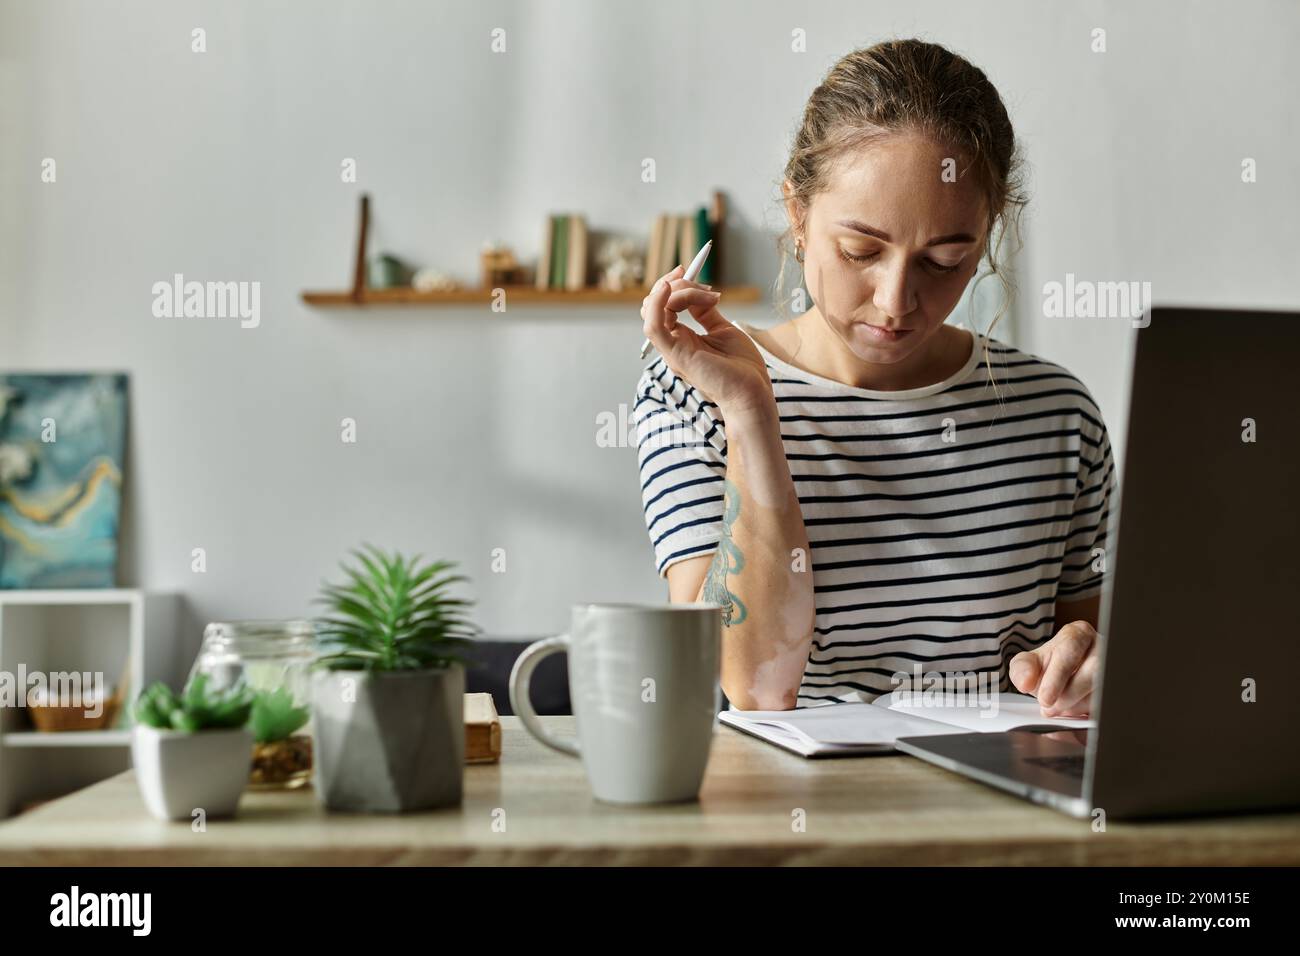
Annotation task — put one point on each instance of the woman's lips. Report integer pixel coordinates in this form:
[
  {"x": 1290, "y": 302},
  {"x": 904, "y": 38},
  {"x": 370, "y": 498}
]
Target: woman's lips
[{"x": 885, "y": 335}]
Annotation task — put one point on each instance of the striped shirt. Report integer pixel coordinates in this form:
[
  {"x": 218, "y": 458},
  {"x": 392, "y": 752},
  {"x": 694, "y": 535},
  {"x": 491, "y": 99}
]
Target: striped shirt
[{"x": 944, "y": 521}]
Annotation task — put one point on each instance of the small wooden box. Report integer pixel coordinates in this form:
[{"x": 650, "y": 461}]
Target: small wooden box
[{"x": 482, "y": 729}]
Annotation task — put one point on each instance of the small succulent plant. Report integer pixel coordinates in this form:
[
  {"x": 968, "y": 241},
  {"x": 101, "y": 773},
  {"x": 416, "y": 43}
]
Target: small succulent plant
[
  {"x": 392, "y": 614},
  {"x": 275, "y": 716},
  {"x": 194, "y": 709}
]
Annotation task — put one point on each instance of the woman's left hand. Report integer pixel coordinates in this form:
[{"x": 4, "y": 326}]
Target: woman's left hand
[{"x": 1060, "y": 672}]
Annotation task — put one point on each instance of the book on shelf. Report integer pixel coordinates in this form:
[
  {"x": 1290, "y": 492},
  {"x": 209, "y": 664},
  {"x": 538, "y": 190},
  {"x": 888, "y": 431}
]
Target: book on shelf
[
  {"x": 704, "y": 232},
  {"x": 668, "y": 257},
  {"x": 543, "y": 277},
  {"x": 653, "y": 256},
  {"x": 576, "y": 273},
  {"x": 688, "y": 242},
  {"x": 559, "y": 261},
  {"x": 676, "y": 238},
  {"x": 563, "y": 260}
]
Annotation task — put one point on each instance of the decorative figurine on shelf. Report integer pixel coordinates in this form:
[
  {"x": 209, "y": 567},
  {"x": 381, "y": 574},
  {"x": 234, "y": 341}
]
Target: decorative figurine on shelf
[
  {"x": 430, "y": 279},
  {"x": 621, "y": 265},
  {"x": 499, "y": 265},
  {"x": 388, "y": 272}
]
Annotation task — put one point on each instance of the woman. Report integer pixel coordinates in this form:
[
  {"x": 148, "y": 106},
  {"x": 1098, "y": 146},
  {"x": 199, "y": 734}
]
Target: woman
[{"x": 869, "y": 492}]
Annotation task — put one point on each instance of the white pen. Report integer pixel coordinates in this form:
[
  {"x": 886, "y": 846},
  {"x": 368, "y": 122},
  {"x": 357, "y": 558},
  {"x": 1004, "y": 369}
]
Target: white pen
[{"x": 696, "y": 265}]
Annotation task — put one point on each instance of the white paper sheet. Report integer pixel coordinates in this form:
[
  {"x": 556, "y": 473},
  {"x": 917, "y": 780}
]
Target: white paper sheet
[
  {"x": 1013, "y": 710},
  {"x": 873, "y": 728}
]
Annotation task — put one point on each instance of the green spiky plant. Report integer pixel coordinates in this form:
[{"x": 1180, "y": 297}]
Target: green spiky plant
[
  {"x": 275, "y": 716},
  {"x": 392, "y": 614},
  {"x": 194, "y": 709}
]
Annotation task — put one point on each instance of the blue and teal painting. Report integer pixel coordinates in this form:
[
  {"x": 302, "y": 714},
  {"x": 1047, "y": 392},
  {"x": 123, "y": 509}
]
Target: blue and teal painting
[{"x": 62, "y": 442}]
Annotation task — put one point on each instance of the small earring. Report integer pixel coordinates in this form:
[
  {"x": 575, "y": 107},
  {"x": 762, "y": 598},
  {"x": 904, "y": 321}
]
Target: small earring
[{"x": 798, "y": 250}]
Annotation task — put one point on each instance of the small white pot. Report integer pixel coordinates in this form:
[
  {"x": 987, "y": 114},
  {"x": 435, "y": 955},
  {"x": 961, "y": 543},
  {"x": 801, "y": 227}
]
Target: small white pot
[{"x": 180, "y": 772}]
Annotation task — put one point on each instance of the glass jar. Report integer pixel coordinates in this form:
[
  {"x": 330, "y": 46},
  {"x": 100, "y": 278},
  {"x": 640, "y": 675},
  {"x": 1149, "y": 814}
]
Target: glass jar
[{"x": 266, "y": 656}]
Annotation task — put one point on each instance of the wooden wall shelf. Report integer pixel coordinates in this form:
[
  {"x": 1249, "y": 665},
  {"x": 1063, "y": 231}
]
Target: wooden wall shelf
[
  {"x": 358, "y": 296},
  {"x": 525, "y": 294}
]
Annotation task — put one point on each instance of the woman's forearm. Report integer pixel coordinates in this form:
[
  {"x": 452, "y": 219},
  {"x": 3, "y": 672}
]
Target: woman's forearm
[{"x": 761, "y": 574}]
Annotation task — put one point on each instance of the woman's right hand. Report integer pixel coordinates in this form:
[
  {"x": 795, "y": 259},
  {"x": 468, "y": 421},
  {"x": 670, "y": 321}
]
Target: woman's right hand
[{"x": 723, "y": 364}]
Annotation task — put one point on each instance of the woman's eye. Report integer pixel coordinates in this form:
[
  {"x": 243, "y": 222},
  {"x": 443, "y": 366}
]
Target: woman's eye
[
  {"x": 930, "y": 264},
  {"x": 852, "y": 258}
]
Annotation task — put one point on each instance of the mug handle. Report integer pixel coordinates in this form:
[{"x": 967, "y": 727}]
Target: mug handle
[{"x": 521, "y": 676}]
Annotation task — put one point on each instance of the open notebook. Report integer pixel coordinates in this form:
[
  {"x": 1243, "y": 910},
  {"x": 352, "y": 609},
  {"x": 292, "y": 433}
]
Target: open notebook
[{"x": 842, "y": 730}]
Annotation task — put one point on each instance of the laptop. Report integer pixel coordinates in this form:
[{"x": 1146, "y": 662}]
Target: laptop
[{"x": 1196, "y": 704}]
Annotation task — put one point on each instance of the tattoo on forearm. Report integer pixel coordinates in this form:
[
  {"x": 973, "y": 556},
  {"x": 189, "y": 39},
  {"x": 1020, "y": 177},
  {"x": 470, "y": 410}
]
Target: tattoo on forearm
[{"x": 728, "y": 560}]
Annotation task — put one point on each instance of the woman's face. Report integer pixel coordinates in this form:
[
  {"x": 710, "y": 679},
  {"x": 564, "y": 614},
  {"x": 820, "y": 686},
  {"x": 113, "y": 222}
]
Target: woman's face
[{"x": 891, "y": 245}]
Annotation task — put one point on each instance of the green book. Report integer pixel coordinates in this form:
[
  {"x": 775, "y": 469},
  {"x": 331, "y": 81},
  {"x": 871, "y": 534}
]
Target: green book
[
  {"x": 560, "y": 253},
  {"x": 707, "y": 271},
  {"x": 553, "y": 250}
]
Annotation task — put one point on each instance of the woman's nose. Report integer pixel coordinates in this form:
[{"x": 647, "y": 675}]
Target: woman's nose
[{"x": 894, "y": 293}]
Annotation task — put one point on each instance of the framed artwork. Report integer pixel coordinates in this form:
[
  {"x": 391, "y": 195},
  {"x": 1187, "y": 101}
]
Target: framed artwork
[{"x": 62, "y": 445}]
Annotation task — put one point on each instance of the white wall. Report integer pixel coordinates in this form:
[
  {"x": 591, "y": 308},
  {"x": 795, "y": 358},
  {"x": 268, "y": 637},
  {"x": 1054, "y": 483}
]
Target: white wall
[{"x": 476, "y": 430}]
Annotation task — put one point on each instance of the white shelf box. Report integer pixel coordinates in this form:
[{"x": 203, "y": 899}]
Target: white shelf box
[{"x": 123, "y": 634}]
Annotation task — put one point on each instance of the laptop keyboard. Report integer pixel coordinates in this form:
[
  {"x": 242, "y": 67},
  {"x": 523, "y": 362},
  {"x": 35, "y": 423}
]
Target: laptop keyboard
[{"x": 1069, "y": 764}]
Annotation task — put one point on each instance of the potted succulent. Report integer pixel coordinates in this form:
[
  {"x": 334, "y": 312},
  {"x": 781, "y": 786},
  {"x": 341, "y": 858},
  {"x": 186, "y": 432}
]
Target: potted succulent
[
  {"x": 190, "y": 751},
  {"x": 281, "y": 756},
  {"x": 388, "y": 688}
]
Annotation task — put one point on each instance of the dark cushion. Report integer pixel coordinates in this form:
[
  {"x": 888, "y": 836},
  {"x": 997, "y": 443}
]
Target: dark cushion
[{"x": 488, "y": 671}]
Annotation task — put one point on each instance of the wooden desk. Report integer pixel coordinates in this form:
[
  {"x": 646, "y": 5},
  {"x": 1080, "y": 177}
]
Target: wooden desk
[{"x": 873, "y": 810}]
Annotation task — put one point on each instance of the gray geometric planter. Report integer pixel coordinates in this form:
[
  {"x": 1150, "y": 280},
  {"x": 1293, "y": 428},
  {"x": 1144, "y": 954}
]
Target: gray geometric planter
[{"x": 389, "y": 742}]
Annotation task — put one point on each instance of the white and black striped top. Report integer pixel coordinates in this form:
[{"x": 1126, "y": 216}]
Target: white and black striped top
[{"x": 944, "y": 521}]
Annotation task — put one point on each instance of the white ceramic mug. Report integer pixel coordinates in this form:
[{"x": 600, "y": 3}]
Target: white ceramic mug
[{"x": 644, "y": 681}]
